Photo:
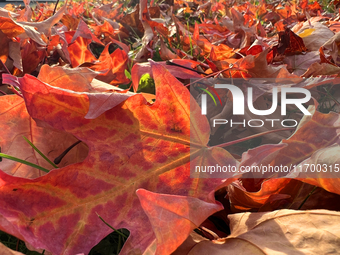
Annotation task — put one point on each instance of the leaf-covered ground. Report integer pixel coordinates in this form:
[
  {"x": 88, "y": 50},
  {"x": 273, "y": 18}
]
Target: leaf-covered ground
[{"x": 105, "y": 90}]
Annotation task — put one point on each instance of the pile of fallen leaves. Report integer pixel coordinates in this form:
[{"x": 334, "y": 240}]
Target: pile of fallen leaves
[{"x": 112, "y": 80}]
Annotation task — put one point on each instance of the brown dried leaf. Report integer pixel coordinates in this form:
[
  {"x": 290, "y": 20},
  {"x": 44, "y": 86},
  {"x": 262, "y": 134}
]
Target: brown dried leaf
[
  {"x": 7, "y": 251},
  {"x": 274, "y": 233},
  {"x": 314, "y": 36}
]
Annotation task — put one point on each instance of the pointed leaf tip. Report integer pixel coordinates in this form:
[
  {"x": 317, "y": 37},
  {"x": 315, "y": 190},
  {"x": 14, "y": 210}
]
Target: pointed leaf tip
[{"x": 185, "y": 213}]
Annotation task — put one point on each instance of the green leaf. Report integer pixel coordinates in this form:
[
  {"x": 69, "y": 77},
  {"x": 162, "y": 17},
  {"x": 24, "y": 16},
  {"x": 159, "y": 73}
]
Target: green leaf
[
  {"x": 146, "y": 84},
  {"x": 127, "y": 74}
]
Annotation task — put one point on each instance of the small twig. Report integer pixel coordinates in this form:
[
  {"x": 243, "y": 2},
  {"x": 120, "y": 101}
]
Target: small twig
[
  {"x": 215, "y": 74},
  {"x": 55, "y": 7},
  {"x": 168, "y": 62},
  {"x": 17, "y": 247},
  {"x": 207, "y": 38},
  {"x": 62, "y": 155},
  {"x": 310, "y": 193},
  {"x": 3, "y": 92}
]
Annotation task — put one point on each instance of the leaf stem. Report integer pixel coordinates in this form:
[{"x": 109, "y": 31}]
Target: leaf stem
[
  {"x": 3, "y": 64},
  {"x": 15, "y": 91},
  {"x": 251, "y": 137},
  {"x": 3, "y": 155}
]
